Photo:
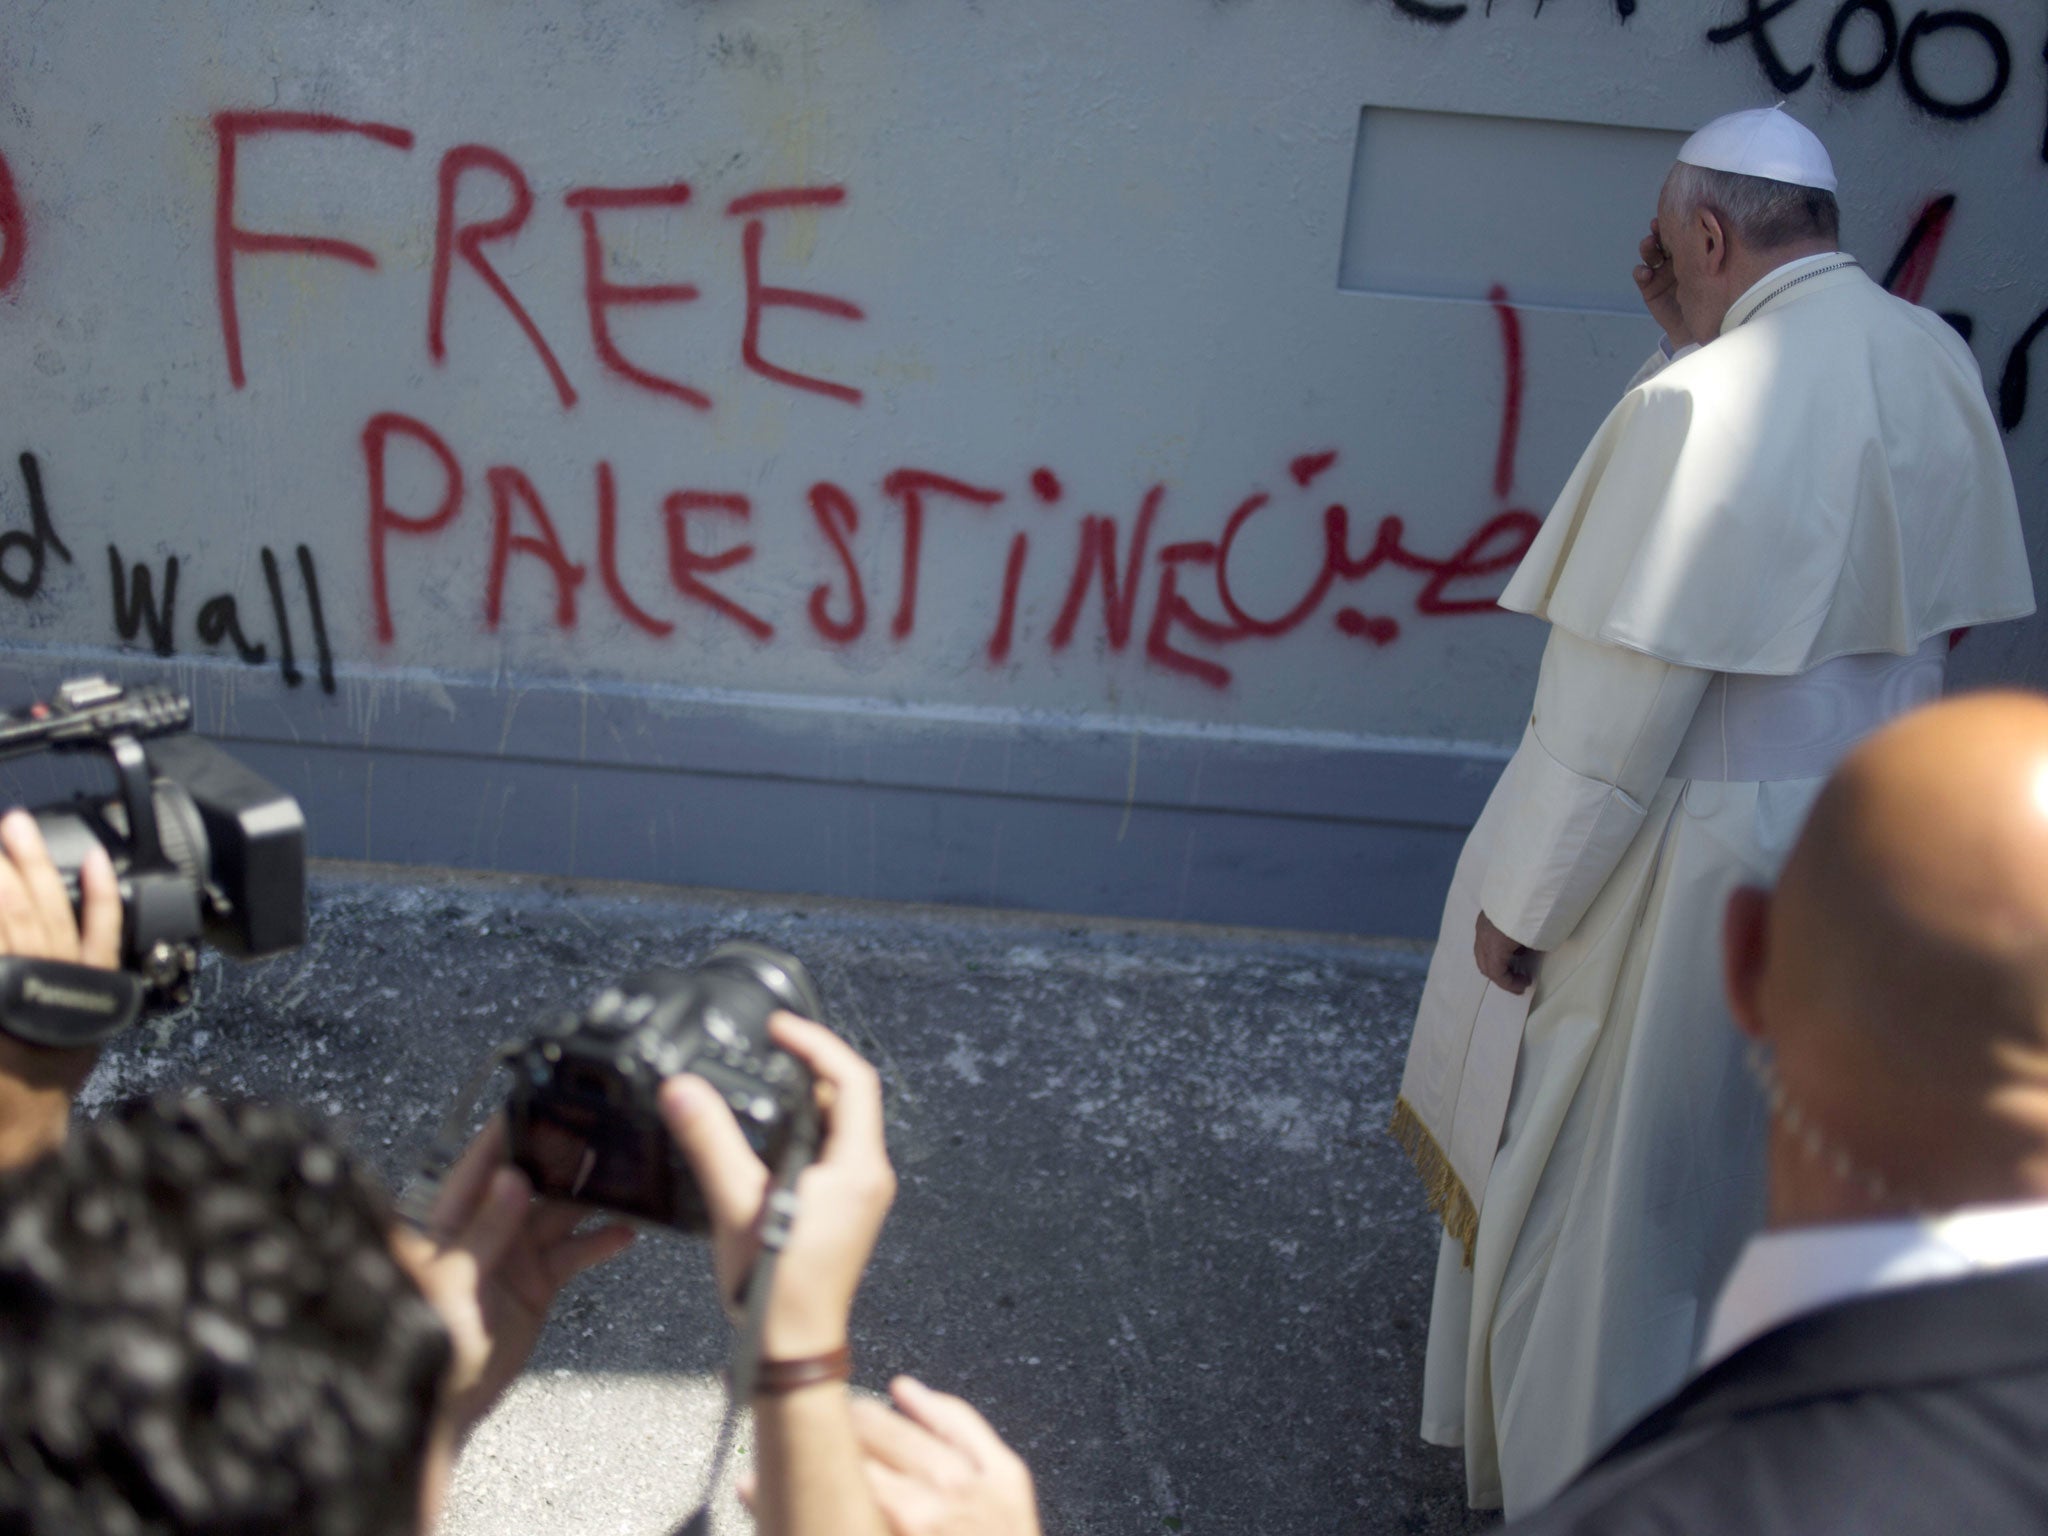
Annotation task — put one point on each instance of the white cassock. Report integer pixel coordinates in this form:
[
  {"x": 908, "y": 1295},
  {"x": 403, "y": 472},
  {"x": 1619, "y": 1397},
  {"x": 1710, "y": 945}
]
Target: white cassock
[{"x": 1758, "y": 560}]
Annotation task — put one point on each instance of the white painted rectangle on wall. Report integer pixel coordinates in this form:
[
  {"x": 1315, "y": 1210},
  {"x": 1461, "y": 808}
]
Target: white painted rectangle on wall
[{"x": 1460, "y": 205}]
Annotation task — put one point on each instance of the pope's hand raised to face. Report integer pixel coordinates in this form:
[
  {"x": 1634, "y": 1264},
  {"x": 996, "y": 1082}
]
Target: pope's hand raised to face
[{"x": 1658, "y": 284}]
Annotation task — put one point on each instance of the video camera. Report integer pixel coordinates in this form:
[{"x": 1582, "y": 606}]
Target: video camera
[{"x": 204, "y": 849}]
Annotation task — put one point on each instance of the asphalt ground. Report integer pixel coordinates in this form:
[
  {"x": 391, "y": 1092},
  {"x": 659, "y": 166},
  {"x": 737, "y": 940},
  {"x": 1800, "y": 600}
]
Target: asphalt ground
[{"x": 1149, "y": 1219}]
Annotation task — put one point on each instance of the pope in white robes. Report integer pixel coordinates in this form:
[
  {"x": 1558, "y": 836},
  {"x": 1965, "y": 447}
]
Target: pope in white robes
[{"x": 1761, "y": 556}]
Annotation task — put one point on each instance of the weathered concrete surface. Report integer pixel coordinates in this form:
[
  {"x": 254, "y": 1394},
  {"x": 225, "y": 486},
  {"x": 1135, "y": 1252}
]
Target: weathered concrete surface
[{"x": 1148, "y": 1222}]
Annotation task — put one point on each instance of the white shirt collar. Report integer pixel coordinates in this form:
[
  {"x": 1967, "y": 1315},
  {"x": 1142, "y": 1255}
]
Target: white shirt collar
[
  {"x": 1754, "y": 294},
  {"x": 1782, "y": 1275}
]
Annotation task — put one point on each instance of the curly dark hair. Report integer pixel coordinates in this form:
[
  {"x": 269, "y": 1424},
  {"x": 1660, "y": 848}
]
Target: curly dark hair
[{"x": 202, "y": 1329}]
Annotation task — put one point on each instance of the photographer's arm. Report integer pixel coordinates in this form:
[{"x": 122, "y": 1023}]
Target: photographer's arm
[
  {"x": 36, "y": 922},
  {"x": 810, "y": 1480}
]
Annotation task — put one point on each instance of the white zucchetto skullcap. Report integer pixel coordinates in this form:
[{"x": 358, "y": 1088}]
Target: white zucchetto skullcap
[{"x": 1764, "y": 142}]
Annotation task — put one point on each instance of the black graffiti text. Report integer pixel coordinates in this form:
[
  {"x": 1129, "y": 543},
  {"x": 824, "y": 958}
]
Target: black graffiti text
[
  {"x": 35, "y": 543},
  {"x": 145, "y": 599},
  {"x": 1448, "y": 13},
  {"x": 1866, "y": 42}
]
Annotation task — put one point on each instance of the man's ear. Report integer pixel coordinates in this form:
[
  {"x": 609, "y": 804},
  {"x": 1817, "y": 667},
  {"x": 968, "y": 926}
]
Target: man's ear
[
  {"x": 1745, "y": 951},
  {"x": 1713, "y": 237}
]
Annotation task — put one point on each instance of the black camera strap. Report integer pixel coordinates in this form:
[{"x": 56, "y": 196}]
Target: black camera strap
[
  {"x": 778, "y": 1218},
  {"x": 56, "y": 1003}
]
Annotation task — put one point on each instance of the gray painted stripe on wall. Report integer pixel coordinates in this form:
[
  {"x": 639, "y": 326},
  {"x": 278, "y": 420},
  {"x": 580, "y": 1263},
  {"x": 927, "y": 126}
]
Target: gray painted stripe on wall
[{"x": 1138, "y": 819}]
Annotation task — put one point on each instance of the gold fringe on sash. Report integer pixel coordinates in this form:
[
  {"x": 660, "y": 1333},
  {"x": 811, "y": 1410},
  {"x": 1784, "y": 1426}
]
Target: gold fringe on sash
[{"x": 1446, "y": 1192}]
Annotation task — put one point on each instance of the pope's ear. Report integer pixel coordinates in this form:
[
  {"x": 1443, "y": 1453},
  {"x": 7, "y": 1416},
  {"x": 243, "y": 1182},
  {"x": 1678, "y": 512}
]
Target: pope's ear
[
  {"x": 1745, "y": 951},
  {"x": 1713, "y": 237}
]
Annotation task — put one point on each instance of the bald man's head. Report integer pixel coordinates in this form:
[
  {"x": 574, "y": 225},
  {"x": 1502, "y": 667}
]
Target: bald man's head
[{"x": 1899, "y": 973}]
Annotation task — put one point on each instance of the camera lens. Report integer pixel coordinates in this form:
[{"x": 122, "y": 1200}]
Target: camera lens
[{"x": 784, "y": 976}]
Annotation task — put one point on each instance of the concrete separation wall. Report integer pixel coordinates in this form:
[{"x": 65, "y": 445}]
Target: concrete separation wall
[{"x": 1057, "y": 455}]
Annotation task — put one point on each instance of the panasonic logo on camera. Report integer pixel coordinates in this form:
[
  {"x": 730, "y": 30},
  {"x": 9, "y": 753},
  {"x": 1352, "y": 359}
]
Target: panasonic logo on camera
[{"x": 35, "y": 991}]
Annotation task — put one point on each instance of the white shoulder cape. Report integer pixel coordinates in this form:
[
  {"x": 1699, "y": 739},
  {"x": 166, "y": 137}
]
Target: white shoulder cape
[{"x": 1823, "y": 479}]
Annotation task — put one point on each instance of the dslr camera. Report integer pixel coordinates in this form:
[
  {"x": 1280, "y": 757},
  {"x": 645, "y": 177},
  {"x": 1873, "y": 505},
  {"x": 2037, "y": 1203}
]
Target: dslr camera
[
  {"x": 205, "y": 850},
  {"x": 582, "y": 1113}
]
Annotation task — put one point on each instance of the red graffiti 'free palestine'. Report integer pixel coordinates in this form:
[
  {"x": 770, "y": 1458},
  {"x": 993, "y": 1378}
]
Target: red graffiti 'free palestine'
[{"x": 1119, "y": 563}]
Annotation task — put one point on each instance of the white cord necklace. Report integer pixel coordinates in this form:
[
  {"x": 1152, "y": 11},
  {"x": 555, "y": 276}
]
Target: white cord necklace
[{"x": 1786, "y": 287}]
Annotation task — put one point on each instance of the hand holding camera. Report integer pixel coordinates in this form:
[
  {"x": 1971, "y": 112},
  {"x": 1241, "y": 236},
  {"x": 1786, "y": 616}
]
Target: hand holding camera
[
  {"x": 36, "y": 918},
  {"x": 706, "y": 1100},
  {"x": 491, "y": 1261},
  {"x": 842, "y": 1198},
  {"x": 37, "y": 925}
]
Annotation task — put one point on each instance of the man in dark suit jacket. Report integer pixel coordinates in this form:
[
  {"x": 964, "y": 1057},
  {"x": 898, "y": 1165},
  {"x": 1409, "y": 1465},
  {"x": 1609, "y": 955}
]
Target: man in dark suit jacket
[
  {"x": 1916, "y": 1410},
  {"x": 1922, "y": 1410},
  {"x": 1878, "y": 1360}
]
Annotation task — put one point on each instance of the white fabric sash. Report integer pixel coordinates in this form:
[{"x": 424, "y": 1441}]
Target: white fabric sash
[{"x": 1757, "y": 729}]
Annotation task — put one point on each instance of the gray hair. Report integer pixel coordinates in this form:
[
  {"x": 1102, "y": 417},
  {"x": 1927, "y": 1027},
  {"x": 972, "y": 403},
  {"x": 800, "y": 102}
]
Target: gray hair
[{"x": 1761, "y": 213}]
